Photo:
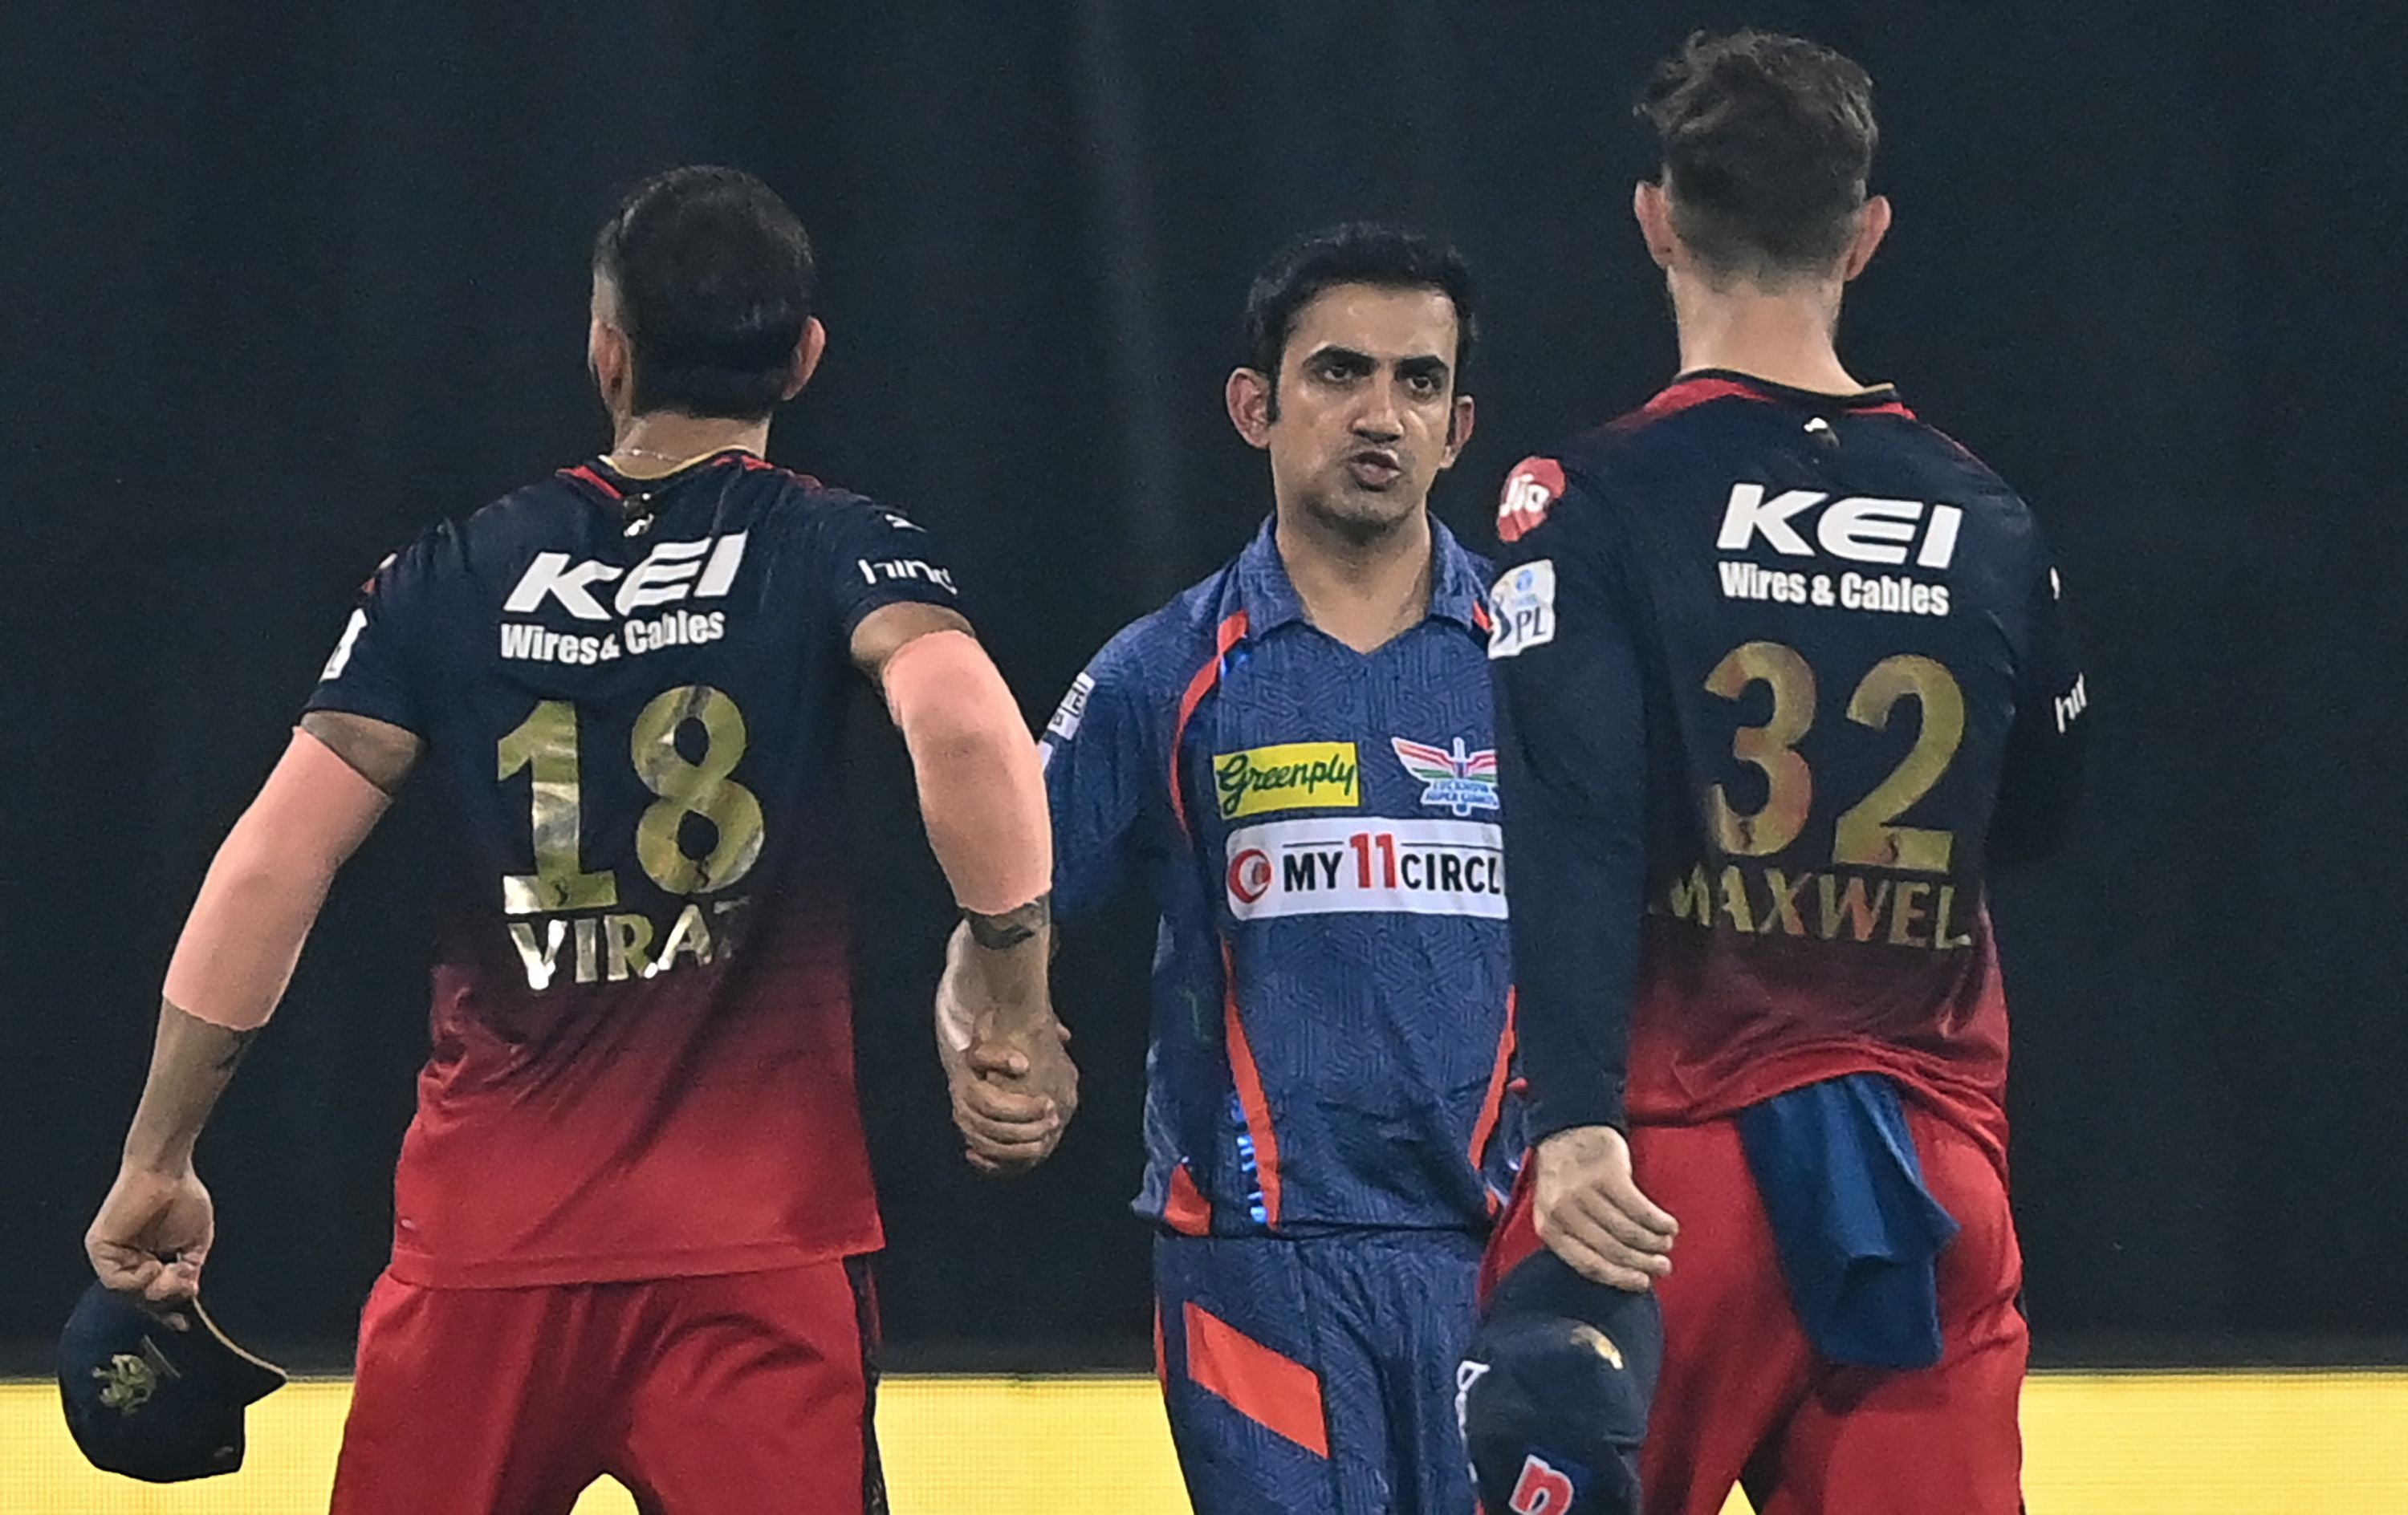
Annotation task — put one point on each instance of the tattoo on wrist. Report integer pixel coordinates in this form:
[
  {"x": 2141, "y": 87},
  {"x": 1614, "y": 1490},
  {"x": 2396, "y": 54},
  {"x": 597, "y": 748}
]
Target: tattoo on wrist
[
  {"x": 998, "y": 933},
  {"x": 237, "y": 1043}
]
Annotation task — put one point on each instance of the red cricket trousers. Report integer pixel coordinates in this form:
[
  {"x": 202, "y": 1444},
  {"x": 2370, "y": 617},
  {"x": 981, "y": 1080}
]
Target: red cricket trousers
[
  {"x": 727, "y": 1394},
  {"x": 1744, "y": 1397}
]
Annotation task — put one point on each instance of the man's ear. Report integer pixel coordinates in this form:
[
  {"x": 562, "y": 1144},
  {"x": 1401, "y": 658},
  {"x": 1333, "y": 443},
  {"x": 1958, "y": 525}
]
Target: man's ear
[
  {"x": 808, "y": 353},
  {"x": 1653, "y": 209},
  {"x": 1248, "y": 395},
  {"x": 607, "y": 355},
  {"x": 1872, "y": 224},
  {"x": 1458, "y": 430}
]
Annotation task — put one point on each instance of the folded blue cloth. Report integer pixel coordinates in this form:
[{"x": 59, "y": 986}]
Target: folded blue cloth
[{"x": 1858, "y": 1235}]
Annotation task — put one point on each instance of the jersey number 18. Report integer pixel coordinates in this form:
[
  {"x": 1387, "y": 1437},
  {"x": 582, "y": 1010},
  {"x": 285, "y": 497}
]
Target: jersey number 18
[{"x": 545, "y": 743}]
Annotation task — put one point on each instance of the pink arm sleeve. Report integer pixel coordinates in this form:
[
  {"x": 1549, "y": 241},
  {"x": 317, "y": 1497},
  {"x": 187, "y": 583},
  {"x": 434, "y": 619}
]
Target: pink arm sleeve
[
  {"x": 263, "y": 890},
  {"x": 981, "y": 793}
]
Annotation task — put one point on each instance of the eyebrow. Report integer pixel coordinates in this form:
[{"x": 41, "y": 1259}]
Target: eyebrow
[
  {"x": 1418, "y": 365},
  {"x": 1330, "y": 352}
]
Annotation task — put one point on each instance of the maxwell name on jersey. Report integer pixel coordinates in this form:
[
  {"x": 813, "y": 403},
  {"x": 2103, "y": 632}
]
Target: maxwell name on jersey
[
  {"x": 1836, "y": 905},
  {"x": 1329, "y": 867}
]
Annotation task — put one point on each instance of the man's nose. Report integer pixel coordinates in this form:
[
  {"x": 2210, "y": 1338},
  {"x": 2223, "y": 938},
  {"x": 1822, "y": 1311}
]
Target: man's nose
[{"x": 1380, "y": 422}]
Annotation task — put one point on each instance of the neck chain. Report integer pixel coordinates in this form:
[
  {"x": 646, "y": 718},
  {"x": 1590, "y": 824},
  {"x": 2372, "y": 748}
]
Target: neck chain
[{"x": 630, "y": 449}]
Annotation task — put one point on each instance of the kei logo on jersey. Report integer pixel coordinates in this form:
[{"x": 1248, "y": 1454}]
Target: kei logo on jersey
[{"x": 1454, "y": 780}]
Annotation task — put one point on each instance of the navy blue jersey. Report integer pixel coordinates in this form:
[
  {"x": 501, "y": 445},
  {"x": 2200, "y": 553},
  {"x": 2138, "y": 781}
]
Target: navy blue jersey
[
  {"x": 1319, "y": 829},
  {"x": 630, "y": 694},
  {"x": 1781, "y": 675}
]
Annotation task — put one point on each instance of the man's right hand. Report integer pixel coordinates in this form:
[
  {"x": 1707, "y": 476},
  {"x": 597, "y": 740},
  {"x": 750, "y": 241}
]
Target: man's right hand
[{"x": 1588, "y": 1209}]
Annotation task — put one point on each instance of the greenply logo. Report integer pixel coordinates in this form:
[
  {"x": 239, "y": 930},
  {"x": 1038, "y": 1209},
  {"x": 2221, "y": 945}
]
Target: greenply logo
[{"x": 1293, "y": 775}]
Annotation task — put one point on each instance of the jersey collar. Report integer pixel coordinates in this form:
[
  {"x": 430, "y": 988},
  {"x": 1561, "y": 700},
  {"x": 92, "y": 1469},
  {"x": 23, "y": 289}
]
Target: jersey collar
[
  {"x": 1269, "y": 599},
  {"x": 1698, "y": 385}
]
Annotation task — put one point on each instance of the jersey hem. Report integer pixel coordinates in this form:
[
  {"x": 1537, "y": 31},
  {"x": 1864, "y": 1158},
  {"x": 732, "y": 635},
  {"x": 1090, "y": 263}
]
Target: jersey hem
[
  {"x": 369, "y": 709},
  {"x": 1978, "y": 1112}
]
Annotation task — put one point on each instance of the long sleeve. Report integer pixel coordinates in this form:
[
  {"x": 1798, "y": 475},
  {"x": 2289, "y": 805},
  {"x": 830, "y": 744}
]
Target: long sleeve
[
  {"x": 2042, "y": 778},
  {"x": 1571, "y": 764}
]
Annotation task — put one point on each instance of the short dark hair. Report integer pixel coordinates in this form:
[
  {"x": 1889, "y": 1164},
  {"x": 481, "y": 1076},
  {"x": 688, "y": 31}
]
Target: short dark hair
[
  {"x": 714, "y": 280},
  {"x": 1357, "y": 252},
  {"x": 1767, "y": 143}
]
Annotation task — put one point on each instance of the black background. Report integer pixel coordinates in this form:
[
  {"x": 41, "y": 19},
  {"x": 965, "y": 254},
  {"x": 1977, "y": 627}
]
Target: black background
[{"x": 279, "y": 285}]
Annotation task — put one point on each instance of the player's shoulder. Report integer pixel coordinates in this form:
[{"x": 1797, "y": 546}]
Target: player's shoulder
[
  {"x": 1153, "y": 659},
  {"x": 1456, "y": 559},
  {"x": 761, "y": 491},
  {"x": 1581, "y": 476},
  {"x": 1696, "y": 429},
  {"x": 532, "y": 512},
  {"x": 429, "y": 558},
  {"x": 805, "y": 500}
]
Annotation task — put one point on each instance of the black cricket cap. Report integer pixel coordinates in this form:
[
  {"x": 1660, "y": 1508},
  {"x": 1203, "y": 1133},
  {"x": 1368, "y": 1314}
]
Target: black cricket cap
[
  {"x": 156, "y": 1392},
  {"x": 1555, "y": 1389}
]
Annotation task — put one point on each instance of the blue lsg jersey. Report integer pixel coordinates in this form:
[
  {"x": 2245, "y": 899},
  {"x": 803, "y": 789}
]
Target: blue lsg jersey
[{"x": 1319, "y": 828}]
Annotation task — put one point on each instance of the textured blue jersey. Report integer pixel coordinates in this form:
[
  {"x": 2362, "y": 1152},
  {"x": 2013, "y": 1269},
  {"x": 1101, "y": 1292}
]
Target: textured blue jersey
[{"x": 1319, "y": 831}]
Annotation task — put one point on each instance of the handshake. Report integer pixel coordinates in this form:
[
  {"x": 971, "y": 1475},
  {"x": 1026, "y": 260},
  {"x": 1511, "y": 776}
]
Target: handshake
[{"x": 1014, "y": 1085}]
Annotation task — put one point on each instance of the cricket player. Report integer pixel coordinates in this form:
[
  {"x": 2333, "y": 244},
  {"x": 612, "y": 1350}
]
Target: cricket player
[
  {"x": 1782, "y": 678},
  {"x": 634, "y": 1212},
  {"x": 1296, "y": 757}
]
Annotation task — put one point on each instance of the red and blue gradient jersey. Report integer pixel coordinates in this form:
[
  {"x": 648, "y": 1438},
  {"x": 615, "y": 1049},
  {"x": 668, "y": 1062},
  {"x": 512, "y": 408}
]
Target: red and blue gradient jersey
[
  {"x": 630, "y": 694},
  {"x": 1781, "y": 678},
  {"x": 1319, "y": 828}
]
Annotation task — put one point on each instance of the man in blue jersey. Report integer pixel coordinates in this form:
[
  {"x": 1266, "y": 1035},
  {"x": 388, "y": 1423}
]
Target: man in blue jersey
[{"x": 1296, "y": 754}]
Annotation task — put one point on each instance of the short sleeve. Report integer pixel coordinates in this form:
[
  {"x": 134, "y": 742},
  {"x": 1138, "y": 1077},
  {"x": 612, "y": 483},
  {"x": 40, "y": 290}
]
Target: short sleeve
[
  {"x": 376, "y": 669},
  {"x": 870, "y": 557},
  {"x": 1100, "y": 776}
]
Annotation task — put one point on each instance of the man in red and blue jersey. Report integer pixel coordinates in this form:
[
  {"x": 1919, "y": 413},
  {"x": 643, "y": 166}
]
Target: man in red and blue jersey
[
  {"x": 633, "y": 1216},
  {"x": 1296, "y": 758},
  {"x": 1782, "y": 678}
]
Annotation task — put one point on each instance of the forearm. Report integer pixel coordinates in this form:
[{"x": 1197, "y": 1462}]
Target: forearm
[
  {"x": 1008, "y": 983},
  {"x": 1577, "y": 872},
  {"x": 1574, "y": 967},
  {"x": 192, "y": 1061}
]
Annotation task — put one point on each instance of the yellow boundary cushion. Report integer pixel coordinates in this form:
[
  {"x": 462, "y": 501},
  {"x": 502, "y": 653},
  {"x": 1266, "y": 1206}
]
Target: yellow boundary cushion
[{"x": 2096, "y": 1444}]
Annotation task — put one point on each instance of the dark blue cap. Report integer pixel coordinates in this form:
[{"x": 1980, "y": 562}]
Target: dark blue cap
[
  {"x": 1555, "y": 1393},
  {"x": 156, "y": 1392}
]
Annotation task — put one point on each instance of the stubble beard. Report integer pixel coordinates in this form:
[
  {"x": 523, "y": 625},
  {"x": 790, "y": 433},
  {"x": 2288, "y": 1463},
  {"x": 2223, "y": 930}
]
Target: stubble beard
[{"x": 1360, "y": 519}]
